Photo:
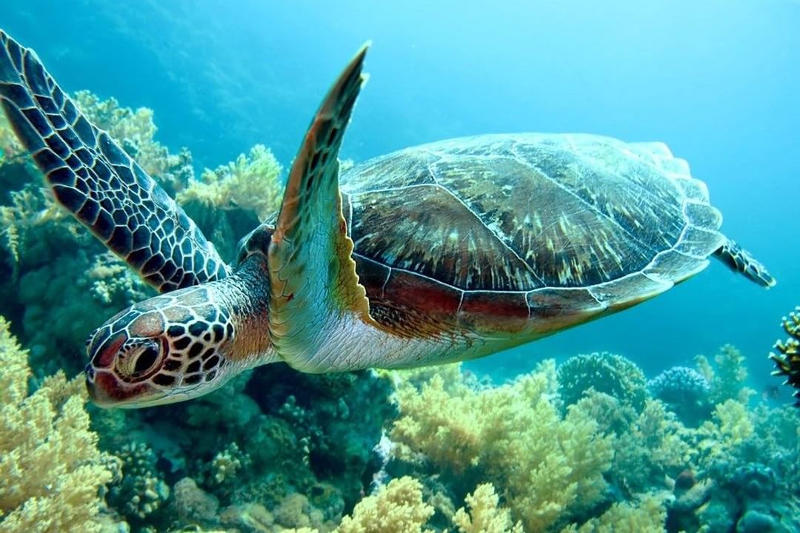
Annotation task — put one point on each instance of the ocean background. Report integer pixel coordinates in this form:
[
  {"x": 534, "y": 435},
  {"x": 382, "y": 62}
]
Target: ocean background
[{"x": 718, "y": 81}]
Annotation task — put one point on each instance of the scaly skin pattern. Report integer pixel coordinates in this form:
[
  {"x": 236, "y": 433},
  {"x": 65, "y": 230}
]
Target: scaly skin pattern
[
  {"x": 189, "y": 342},
  {"x": 91, "y": 176}
]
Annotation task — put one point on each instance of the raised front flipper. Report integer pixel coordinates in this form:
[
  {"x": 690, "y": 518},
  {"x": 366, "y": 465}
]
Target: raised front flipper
[
  {"x": 98, "y": 182},
  {"x": 314, "y": 288}
]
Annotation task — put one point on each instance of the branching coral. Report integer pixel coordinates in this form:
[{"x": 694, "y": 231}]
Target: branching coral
[
  {"x": 647, "y": 516},
  {"x": 650, "y": 449},
  {"x": 726, "y": 378},
  {"x": 608, "y": 373},
  {"x": 396, "y": 508},
  {"x": 729, "y": 427},
  {"x": 513, "y": 436},
  {"x": 51, "y": 468},
  {"x": 141, "y": 492},
  {"x": 788, "y": 357},
  {"x": 251, "y": 182},
  {"x": 484, "y": 515}
]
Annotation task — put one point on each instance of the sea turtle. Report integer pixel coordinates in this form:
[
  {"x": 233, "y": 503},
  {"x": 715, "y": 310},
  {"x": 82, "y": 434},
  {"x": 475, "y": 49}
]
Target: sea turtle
[{"x": 439, "y": 253}]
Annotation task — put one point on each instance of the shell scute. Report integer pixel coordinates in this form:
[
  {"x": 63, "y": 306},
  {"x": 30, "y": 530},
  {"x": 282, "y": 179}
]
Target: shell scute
[{"x": 581, "y": 224}]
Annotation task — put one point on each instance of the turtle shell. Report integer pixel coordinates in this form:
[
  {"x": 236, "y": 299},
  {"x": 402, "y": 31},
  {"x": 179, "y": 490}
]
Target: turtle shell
[{"x": 531, "y": 232}]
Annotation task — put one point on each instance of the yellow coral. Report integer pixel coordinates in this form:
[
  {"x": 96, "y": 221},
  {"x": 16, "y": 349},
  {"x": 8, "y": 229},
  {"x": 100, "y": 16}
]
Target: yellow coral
[
  {"x": 250, "y": 182},
  {"x": 646, "y": 517},
  {"x": 513, "y": 436},
  {"x": 733, "y": 423},
  {"x": 727, "y": 376},
  {"x": 396, "y": 508},
  {"x": 49, "y": 461},
  {"x": 484, "y": 515}
]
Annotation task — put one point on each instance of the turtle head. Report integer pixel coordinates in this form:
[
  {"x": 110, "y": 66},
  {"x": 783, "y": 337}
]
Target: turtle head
[{"x": 166, "y": 349}]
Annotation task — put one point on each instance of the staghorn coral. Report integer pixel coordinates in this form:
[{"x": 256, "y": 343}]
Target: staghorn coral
[
  {"x": 395, "y": 508},
  {"x": 608, "y": 373},
  {"x": 484, "y": 516},
  {"x": 251, "y": 182},
  {"x": 787, "y": 360},
  {"x": 548, "y": 467},
  {"x": 51, "y": 468}
]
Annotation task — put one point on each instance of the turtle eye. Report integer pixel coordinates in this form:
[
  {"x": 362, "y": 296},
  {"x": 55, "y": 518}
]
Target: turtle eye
[
  {"x": 139, "y": 361},
  {"x": 145, "y": 360}
]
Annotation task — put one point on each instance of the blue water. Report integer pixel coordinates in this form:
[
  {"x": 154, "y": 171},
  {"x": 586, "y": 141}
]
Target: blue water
[{"x": 717, "y": 80}]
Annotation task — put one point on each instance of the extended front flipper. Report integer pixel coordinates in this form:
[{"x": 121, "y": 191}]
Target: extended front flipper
[
  {"x": 98, "y": 182},
  {"x": 314, "y": 288}
]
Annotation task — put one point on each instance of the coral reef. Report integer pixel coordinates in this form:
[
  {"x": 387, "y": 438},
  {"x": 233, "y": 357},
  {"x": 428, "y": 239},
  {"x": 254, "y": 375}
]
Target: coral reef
[
  {"x": 685, "y": 391},
  {"x": 787, "y": 360},
  {"x": 589, "y": 446},
  {"x": 51, "y": 468},
  {"x": 645, "y": 516},
  {"x": 141, "y": 491},
  {"x": 251, "y": 182},
  {"x": 550, "y": 467},
  {"x": 395, "y": 508},
  {"x": 726, "y": 377},
  {"x": 604, "y": 372},
  {"x": 484, "y": 515}
]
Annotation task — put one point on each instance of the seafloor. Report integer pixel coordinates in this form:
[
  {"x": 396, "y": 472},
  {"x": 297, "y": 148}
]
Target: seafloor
[{"x": 587, "y": 445}]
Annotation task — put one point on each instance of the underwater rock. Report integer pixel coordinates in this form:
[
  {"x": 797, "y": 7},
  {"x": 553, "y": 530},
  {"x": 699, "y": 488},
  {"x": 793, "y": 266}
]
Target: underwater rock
[
  {"x": 755, "y": 522},
  {"x": 193, "y": 504},
  {"x": 248, "y": 518},
  {"x": 604, "y": 372}
]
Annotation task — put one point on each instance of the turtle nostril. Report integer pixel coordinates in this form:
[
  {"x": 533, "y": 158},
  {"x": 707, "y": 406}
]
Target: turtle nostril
[{"x": 89, "y": 370}]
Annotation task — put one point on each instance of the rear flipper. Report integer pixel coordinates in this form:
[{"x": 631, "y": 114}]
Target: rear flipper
[{"x": 740, "y": 260}]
